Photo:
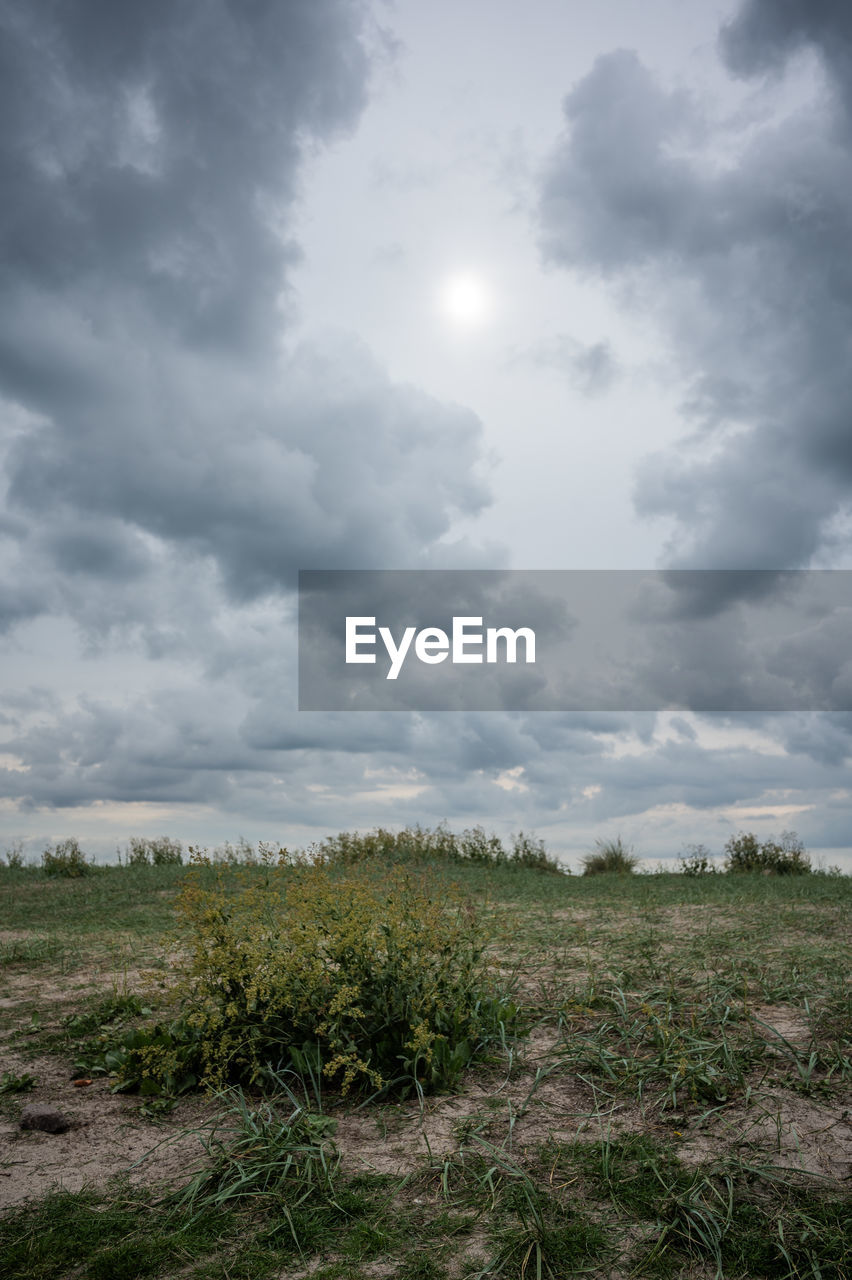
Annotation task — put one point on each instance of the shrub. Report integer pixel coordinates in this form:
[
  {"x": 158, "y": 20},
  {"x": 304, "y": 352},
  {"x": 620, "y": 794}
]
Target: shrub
[
  {"x": 65, "y": 859},
  {"x": 744, "y": 852},
  {"x": 240, "y": 854},
  {"x": 159, "y": 851},
  {"x": 415, "y": 845},
  {"x": 14, "y": 858},
  {"x": 697, "y": 861},
  {"x": 385, "y": 984},
  {"x": 528, "y": 852},
  {"x": 473, "y": 845},
  {"x": 610, "y": 857},
  {"x": 419, "y": 845},
  {"x": 137, "y": 853}
]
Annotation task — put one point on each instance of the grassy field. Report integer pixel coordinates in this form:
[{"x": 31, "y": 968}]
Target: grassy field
[{"x": 674, "y": 1099}]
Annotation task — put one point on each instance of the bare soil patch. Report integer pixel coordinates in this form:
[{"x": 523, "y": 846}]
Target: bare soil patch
[
  {"x": 783, "y": 1130},
  {"x": 107, "y": 1137}
]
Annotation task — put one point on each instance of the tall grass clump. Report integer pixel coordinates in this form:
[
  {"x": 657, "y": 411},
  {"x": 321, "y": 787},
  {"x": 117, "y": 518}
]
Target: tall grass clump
[
  {"x": 380, "y": 983},
  {"x": 787, "y": 857},
  {"x": 610, "y": 857},
  {"x": 286, "y": 1154}
]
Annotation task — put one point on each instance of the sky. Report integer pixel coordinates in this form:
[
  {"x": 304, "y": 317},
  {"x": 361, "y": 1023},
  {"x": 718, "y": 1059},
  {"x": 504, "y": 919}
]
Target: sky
[{"x": 359, "y": 284}]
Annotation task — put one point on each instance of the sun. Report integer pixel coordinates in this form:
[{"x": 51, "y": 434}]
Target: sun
[{"x": 465, "y": 300}]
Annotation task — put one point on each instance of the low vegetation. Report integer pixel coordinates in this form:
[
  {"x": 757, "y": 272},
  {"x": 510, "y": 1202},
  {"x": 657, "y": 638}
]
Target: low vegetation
[
  {"x": 427, "y": 1056},
  {"x": 419, "y": 845},
  {"x": 66, "y": 859},
  {"x": 786, "y": 857},
  {"x": 610, "y": 857},
  {"x": 376, "y": 984},
  {"x": 157, "y": 852}
]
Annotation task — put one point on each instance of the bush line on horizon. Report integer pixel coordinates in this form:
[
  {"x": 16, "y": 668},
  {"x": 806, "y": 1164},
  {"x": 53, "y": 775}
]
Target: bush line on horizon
[{"x": 416, "y": 845}]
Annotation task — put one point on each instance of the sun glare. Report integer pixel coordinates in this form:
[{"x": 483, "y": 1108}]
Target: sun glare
[{"x": 465, "y": 300}]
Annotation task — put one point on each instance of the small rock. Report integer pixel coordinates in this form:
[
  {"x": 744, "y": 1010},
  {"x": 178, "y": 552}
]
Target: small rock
[{"x": 47, "y": 1119}]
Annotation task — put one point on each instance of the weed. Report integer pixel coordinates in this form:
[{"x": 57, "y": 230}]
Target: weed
[
  {"x": 12, "y": 1083},
  {"x": 534, "y": 1233},
  {"x": 110, "y": 1236},
  {"x": 748, "y": 1222},
  {"x": 29, "y": 951},
  {"x": 686, "y": 1051},
  {"x": 385, "y": 983},
  {"x": 697, "y": 861}
]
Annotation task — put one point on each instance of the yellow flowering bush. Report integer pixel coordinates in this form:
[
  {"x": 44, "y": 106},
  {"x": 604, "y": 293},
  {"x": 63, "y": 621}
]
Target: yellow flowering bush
[{"x": 381, "y": 980}]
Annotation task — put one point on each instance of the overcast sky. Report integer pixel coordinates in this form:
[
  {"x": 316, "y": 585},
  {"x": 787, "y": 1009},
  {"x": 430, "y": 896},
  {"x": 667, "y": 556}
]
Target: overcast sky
[{"x": 322, "y": 284}]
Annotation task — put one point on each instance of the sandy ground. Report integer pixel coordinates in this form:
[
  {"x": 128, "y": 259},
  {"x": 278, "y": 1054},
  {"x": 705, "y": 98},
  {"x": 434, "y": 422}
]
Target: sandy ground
[
  {"x": 107, "y": 1137},
  {"x": 516, "y": 1111}
]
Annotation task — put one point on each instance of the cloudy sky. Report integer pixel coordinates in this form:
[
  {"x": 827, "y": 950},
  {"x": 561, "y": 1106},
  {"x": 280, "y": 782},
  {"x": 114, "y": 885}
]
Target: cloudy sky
[{"x": 327, "y": 284}]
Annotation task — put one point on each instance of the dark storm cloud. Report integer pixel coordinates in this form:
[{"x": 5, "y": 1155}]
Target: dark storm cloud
[
  {"x": 324, "y": 461},
  {"x": 105, "y": 549},
  {"x": 150, "y": 156},
  {"x": 746, "y": 267},
  {"x": 765, "y": 32},
  {"x": 147, "y": 147}
]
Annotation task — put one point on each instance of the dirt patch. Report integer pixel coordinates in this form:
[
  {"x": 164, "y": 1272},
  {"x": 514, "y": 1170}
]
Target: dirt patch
[
  {"x": 50, "y": 988},
  {"x": 107, "y": 1138},
  {"x": 564, "y": 1109},
  {"x": 783, "y": 1130},
  {"x": 541, "y": 1101},
  {"x": 785, "y": 1021},
  {"x": 578, "y": 917},
  {"x": 379, "y": 1270},
  {"x": 396, "y": 1142}
]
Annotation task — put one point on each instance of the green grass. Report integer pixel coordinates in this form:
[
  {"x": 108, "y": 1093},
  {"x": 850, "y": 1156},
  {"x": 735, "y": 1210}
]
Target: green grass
[
  {"x": 116, "y": 899},
  {"x": 665, "y": 1003},
  {"x": 113, "y": 1235}
]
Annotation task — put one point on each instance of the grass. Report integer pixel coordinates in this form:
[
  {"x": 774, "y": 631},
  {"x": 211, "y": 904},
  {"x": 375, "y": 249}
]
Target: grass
[
  {"x": 687, "y": 1070},
  {"x": 610, "y": 857}
]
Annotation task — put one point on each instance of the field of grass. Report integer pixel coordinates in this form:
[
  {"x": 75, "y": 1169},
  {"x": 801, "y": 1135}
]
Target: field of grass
[{"x": 674, "y": 1099}]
